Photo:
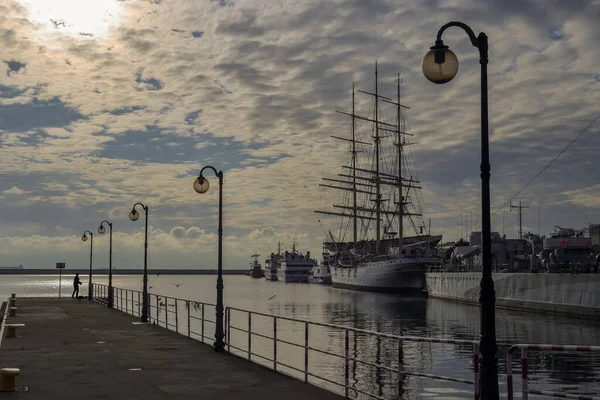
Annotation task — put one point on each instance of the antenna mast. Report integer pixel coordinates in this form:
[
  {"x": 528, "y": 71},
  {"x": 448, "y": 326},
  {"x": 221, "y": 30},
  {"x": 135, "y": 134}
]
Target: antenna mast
[{"x": 520, "y": 207}]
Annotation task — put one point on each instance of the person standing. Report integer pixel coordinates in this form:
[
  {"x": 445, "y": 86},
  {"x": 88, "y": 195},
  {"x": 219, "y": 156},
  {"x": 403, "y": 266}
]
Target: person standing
[{"x": 76, "y": 283}]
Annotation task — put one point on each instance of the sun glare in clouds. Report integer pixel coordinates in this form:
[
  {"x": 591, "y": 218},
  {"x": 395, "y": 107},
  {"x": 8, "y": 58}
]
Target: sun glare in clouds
[{"x": 78, "y": 18}]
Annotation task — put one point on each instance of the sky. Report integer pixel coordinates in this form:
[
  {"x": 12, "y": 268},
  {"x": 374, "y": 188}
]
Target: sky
[{"x": 106, "y": 103}]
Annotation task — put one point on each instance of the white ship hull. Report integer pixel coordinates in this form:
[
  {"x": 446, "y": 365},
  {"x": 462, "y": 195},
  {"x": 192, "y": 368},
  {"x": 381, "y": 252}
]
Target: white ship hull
[
  {"x": 399, "y": 275},
  {"x": 294, "y": 271},
  {"x": 320, "y": 274},
  {"x": 270, "y": 275}
]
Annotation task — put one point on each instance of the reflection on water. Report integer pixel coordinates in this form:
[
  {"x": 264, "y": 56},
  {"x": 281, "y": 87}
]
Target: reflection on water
[{"x": 577, "y": 373}]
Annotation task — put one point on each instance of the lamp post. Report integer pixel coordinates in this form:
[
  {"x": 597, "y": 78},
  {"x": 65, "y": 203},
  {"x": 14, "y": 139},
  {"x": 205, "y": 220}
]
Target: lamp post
[
  {"x": 201, "y": 185},
  {"x": 134, "y": 216},
  {"x": 440, "y": 65},
  {"x": 102, "y": 230},
  {"x": 90, "y": 285}
]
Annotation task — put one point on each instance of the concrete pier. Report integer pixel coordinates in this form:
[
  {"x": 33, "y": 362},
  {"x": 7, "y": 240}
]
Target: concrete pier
[{"x": 74, "y": 349}]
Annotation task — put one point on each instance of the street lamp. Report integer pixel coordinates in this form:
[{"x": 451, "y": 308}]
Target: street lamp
[
  {"x": 134, "y": 216},
  {"x": 201, "y": 185},
  {"x": 90, "y": 286},
  {"x": 440, "y": 65},
  {"x": 102, "y": 230}
]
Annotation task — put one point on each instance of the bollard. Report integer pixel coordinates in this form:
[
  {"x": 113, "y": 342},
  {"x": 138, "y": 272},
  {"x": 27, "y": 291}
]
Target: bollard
[
  {"x": 12, "y": 312},
  {"x": 12, "y": 302},
  {"x": 7, "y": 379},
  {"x": 13, "y": 296},
  {"x": 11, "y": 330}
]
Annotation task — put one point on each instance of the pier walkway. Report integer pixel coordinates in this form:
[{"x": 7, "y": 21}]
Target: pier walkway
[{"x": 74, "y": 349}]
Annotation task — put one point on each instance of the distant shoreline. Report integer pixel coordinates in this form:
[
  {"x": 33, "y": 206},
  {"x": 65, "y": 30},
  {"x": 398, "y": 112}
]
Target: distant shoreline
[{"x": 104, "y": 271}]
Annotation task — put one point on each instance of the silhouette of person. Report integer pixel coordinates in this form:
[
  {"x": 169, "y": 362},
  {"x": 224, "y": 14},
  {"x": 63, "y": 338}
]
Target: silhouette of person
[{"x": 76, "y": 283}]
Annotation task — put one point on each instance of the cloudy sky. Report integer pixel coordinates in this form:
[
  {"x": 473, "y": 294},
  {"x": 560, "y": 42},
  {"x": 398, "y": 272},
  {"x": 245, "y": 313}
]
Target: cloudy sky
[{"x": 107, "y": 102}]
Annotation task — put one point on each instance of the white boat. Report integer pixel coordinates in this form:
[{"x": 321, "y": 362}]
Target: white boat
[
  {"x": 295, "y": 266},
  {"x": 321, "y": 273},
  {"x": 380, "y": 194},
  {"x": 271, "y": 265}
]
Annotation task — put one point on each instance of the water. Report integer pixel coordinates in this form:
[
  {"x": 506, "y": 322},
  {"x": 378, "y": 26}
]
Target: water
[{"x": 393, "y": 314}]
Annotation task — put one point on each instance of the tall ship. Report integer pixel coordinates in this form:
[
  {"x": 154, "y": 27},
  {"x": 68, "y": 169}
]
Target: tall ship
[
  {"x": 255, "y": 271},
  {"x": 378, "y": 196},
  {"x": 271, "y": 265},
  {"x": 295, "y": 266}
]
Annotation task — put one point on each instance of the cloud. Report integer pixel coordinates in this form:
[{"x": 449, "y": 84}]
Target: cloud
[
  {"x": 92, "y": 124},
  {"x": 14, "y": 190}
]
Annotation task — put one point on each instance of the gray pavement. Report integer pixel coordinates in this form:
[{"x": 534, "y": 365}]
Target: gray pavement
[{"x": 74, "y": 349}]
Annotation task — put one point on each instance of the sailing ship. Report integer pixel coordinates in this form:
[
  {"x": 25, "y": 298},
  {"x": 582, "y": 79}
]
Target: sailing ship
[{"x": 375, "y": 192}]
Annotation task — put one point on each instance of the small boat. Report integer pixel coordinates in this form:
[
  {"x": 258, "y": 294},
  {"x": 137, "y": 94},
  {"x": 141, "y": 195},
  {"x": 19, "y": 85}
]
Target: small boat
[
  {"x": 271, "y": 264},
  {"x": 322, "y": 273},
  {"x": 256, "y": 271}
]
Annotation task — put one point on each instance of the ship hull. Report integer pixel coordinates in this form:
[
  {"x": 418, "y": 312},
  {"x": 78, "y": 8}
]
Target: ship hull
[
  {"x": 565, "y": 294},
  {"x": 389, "y": 276}
]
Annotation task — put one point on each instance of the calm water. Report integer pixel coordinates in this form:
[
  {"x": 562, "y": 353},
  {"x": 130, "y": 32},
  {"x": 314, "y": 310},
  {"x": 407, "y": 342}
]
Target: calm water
[{"x": 575, "y": 373}]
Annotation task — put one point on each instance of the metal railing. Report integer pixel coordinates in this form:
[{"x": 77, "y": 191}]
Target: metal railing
[
  {"x": 270, "y": 332},
  {"x": 524, "y": 369},
  {"x": 188, "y": 317},
  {"x": 183, "y": 316}
]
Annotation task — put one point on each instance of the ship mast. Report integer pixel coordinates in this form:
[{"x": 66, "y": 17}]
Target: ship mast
[
  {"x": 401, "y": 199},
  {"x": 355, "y": 211},
  {"x": 377, "y": 185}
]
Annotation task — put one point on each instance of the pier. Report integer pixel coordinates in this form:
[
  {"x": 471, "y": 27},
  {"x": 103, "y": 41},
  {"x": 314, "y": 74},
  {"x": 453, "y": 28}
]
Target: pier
[{"x": 73, "y": 349}]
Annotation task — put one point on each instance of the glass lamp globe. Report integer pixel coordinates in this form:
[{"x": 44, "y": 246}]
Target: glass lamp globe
[
  {"x": 201, "y": 185},
  {"x": 134, "y": 215},
  {"x": 440, "y": 72},
  {"x": 84, "y": 238},
  {"x": 101, "y": 229}
]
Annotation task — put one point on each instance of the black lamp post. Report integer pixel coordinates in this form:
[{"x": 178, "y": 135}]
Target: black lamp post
[
  {"x": 201, "y": 185},
  {"x": 90, "y": 285},
  {"x": 134, "y": 216},
  {"x": 102, "y": 230},
  {"x": 440, "y": 65}
]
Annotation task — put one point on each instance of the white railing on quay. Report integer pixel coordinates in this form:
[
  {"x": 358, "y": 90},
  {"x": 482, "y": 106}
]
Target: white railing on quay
[
  {"x": 524, "y": 369},
  {"x": 180, "y": 315}
]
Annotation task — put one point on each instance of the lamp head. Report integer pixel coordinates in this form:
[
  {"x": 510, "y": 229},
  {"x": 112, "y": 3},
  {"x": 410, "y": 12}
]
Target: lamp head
[
  {"x": 201, "y": 184},
  {"x": 101, "y": 229},
  {"x": 84, "y": 237},
  {"x": 134, "y": 215},
  {"x": 440, "y": 64}
]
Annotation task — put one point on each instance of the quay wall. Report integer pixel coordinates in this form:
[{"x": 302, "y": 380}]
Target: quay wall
[{"x": 565, "y": 294}]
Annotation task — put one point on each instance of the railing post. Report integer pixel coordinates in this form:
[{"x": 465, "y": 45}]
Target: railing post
[
  {"x": 509, "y": 375},
  {"x": 400, "y": 368},
  {"x": 202, "y": 328},
  {"x": 167, "y": 312},
  {"x": 229, "y": 330},
  {"x": 139, "y": 304},
  {"x": 274, "y": 343},
  {"x": 249, "y": 336},
  {"x": 306, "y": 352},
  {"x": 524, "y": 373},
  {"x": 157, "y": 309},
  {"x": 187, "y": 304},
  {"x": 346, "y": 362},
  {"x": 476, "y": 389},
  {"x": 176, "y": 317},
  {"x": 126, "y": 301}
]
